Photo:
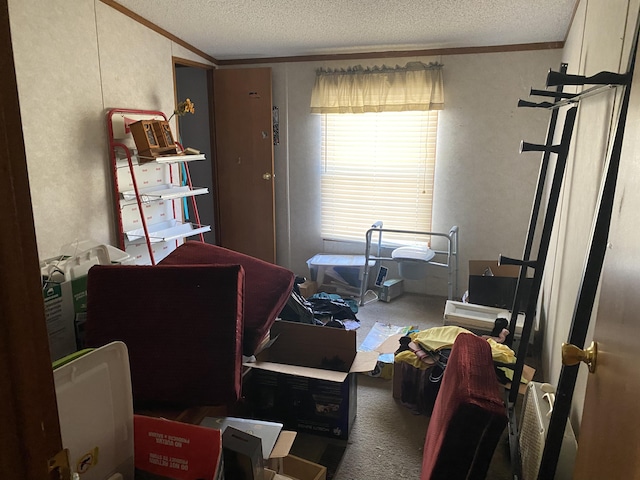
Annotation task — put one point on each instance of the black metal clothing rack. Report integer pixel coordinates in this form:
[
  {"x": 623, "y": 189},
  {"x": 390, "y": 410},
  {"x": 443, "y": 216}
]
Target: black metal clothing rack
[
  {"x": 590, "y": 279},
  {"x": 562, "y": 152},
  {"x": 604, "y": 81}
]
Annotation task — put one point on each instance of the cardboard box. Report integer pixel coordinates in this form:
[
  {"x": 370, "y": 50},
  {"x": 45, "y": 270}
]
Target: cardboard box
[
  {"x": 494, "y": 285},
  {"x": 297, "y": 468},
  {"x": 384, "y": 338},
  {"x": 307, "y": 378},
  {"x": 308, "y": 288},
  {"x": 60, "y": 318},
  {"x": 242, "y": 455},
  {"x": 271, "y": 475},
  {"x": 177, "y": 450},
  {"x": 396, "y": 387},
  {"x": 527, "y": 374},
  {"x": 238, "y": 446},
  {"x": 65, "y": 303},
  {"x": 276, "y": 443}
]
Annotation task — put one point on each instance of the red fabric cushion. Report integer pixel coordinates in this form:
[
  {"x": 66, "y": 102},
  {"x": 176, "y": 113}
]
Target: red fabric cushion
[
  {"x": 182, "y": 326},
  {"x": 267, "y": 286},
  {"x": 468, "y": 416}
]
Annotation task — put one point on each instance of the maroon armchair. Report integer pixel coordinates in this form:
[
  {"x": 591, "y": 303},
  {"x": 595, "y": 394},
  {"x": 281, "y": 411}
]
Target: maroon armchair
[
  {"x": 267, "y": 286},
  {"x": 468, "y": 416},
  {"x": 182, "y": 326},
  {"x": 186, "y": 321}
]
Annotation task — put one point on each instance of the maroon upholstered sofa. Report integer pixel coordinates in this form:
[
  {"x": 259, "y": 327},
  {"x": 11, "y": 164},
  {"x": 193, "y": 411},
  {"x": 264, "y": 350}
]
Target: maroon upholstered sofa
[
  {"x": 186, "y": 321},
  {"x": 468, "y": 416}
]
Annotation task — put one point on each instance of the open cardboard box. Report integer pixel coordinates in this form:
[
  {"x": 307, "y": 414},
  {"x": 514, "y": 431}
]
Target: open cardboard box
[
  {"x": 97, "y": 422},
  {"x": 294, "y": 468},
  {"x": 306, "y": 378},
  {"x": 494, "y": 285},
  {"x": 384, "y": 338},
  {"x": 281, "y": 465},
  {"x": 185, "y": 451},
  {"x": 177, "y": 450}
]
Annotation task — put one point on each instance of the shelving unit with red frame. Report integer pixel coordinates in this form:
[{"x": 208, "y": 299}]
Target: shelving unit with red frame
[{"x": 148, "y": 192}]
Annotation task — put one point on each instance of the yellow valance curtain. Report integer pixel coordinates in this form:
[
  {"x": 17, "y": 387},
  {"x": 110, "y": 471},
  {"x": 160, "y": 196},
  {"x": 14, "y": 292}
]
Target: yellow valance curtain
[{"x": 416, "y": 86}]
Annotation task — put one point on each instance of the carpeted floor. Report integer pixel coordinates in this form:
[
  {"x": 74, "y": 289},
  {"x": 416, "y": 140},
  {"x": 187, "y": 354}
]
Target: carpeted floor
[{"x": 387, "y": 439}]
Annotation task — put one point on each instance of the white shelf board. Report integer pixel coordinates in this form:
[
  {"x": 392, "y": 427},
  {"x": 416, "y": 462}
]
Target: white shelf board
[
  {"x": 167, "y": 231},
  {"x": 122, "y": 162},
  {"x": 165, "y": 192},
  {"x": 174, "y": 158}
]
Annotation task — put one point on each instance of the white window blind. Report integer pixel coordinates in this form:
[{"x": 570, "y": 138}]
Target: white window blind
[{"x": 378, "y": 166}]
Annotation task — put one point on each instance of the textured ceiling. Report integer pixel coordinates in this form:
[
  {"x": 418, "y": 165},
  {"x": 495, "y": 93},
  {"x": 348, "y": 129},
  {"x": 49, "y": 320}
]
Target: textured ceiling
[{"x": 243, "y": 29}]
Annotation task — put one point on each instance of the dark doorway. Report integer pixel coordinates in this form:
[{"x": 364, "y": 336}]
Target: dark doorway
[{"x": 194, "y": 130}]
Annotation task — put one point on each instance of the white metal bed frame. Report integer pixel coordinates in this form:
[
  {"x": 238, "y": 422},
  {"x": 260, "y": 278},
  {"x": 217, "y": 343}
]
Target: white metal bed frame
[{"x": 451, "y": 253}]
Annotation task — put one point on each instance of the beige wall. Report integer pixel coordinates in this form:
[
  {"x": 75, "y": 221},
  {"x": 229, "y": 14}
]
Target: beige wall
[
  {"x": 74, "y": 60},
  {"x": 482, "y": 184},
  {"x": 77, "y": 58}
]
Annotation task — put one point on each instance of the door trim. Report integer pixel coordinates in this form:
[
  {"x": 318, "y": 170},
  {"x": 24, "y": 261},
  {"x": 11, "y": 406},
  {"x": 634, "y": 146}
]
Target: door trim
[{"x": 28, "y": 411}]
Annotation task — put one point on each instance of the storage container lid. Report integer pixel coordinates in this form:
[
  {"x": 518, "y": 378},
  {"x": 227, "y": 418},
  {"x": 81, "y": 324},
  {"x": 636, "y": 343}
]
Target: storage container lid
[
  {"x": 95, "y": 408},
  {"x": 335, "y": 260},
  {"x": 413, "y": 253}
]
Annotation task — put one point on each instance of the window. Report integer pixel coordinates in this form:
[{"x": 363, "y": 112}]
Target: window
[{"x": 378, "y": 166}]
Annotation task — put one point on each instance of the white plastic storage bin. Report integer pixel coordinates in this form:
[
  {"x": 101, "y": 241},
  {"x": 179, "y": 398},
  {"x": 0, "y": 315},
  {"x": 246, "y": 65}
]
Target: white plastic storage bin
[{"x": 343, "y": 269}]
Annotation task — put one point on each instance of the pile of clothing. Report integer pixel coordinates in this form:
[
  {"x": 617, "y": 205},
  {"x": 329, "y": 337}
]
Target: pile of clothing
[
  {"x": 423, "y": 356},
  {"x": 325, "y": 309},
  {"x": 422, "y": 348}
]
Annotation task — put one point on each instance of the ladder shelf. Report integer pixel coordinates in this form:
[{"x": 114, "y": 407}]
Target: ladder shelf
[{"x": 150, "y": 191}]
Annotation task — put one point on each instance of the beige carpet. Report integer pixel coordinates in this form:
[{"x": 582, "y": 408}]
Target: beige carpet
[{"x": 387, "y": 439}]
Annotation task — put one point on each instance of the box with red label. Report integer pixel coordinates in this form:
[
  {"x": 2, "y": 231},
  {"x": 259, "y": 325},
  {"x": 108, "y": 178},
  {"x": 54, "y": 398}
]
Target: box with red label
[{"x": 177, "y": 450}]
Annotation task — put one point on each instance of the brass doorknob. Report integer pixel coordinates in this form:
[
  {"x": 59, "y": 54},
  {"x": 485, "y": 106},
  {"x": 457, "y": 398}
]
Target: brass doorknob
[
  {"x": 572, "y": 355},
  {"x": 266, "y": 176}
]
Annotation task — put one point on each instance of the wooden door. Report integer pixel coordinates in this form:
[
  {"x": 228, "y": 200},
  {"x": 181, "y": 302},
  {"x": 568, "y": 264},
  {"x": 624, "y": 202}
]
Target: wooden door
[
  {"x": 609, "y": 439},
  {"x": 244, "y": 161}
]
